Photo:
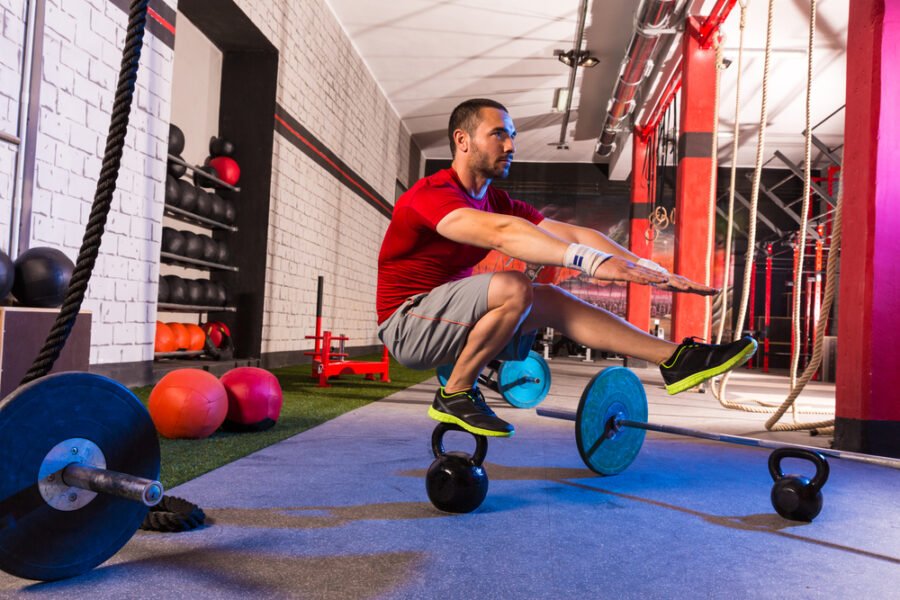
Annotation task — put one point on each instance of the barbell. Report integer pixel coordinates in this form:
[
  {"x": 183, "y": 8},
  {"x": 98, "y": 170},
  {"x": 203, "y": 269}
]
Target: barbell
[
  {"x": 611, "y": 422},
  {"x": 80, "y": 461}
]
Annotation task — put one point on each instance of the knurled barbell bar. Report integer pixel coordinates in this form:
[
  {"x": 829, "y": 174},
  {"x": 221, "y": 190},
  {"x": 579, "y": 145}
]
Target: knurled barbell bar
[
  {"x": 80, "y": 461},
  {"x": 611, "y": 422}
]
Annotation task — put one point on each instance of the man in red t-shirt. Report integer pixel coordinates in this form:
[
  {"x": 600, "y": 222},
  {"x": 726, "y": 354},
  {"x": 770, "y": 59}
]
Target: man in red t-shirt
[{"x": 433, "y": 311}]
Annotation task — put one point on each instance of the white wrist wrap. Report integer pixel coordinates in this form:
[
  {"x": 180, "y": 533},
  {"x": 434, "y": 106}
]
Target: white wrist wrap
[
  {"x": 649, "y": 264},
  {"x": 584, "y": 258}
]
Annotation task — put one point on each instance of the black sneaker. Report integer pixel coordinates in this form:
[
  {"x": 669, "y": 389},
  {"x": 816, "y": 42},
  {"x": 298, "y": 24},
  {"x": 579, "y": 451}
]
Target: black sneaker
[
  {"x": 693, "y": 362},
  {"x": 469, "y": 410}
]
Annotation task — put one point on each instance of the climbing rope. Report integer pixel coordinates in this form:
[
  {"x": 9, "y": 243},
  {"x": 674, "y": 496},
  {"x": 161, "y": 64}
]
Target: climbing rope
[
  {"x": 713, "y": 175},
  {"x": 731, "y": 189},
  {"x": 804, "y": 211},
  {"x": 796, "y": 385},
  {"x": 751, "y": 225}
]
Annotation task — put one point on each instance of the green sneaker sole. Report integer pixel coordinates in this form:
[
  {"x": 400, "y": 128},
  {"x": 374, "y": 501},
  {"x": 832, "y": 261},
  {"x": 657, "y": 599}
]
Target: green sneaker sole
[
  {"x": 698, "y": 378},
  {"x": 445, "y": 418}
]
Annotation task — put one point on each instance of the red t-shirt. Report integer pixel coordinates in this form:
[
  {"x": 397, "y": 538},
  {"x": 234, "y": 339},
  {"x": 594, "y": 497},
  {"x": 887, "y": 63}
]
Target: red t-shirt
[{"x": 414, "y": 257}]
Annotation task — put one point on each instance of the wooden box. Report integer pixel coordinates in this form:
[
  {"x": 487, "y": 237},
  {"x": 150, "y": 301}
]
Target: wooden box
[{"x": 22, "y": 334}]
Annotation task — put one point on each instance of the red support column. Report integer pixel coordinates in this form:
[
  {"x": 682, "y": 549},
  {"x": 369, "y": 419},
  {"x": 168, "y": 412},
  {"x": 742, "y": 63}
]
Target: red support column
[
  {"x": 638, "y": 307},
  {"x": 868, "y": 380},
  {"x": 691, "y": 313}
]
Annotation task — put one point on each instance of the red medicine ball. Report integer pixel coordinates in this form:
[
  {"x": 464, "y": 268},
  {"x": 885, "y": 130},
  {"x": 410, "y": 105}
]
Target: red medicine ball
[
  {"x": 227, "y": 168},
  {"x": 254, "y": 399}
]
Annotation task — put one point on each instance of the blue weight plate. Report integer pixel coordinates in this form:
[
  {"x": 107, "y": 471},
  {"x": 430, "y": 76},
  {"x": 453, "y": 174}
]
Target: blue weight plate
[
  {"x": 612, "y": 391},
  {"x": 524, "y": 383},
  {"x": 38, "y": 541}
]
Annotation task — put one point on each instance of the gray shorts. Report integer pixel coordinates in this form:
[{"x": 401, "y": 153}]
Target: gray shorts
[{"x": 431, "y": 329}]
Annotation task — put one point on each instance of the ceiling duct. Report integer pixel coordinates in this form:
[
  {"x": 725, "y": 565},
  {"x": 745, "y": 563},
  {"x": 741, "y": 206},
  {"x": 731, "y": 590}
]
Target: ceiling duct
[{"x": 652, "y": 20}]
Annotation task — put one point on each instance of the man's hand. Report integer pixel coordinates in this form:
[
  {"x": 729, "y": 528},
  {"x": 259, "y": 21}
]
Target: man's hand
[
  {"x": 679, "y": 283},
  {"x": 620, "y": 269}
]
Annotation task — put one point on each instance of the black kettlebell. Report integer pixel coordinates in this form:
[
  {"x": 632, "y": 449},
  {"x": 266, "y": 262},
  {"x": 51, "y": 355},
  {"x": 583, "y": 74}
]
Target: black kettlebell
[
  {"x": 456, "y": 482},
  {"x": 793, "y": 496}
]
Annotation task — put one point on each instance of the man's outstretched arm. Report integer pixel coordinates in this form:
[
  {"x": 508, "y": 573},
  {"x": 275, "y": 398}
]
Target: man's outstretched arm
[
  {"x": 519, "y": 238},
  {"x": 595, "y": 239}
]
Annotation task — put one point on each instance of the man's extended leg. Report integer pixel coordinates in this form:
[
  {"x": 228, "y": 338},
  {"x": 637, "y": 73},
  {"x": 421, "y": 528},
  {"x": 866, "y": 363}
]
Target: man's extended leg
[{"x": 683, "y": 365}]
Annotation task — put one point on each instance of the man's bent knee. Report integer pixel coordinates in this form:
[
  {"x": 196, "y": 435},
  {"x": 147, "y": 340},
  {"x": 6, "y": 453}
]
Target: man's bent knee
[{"x": 512, "y": 289}]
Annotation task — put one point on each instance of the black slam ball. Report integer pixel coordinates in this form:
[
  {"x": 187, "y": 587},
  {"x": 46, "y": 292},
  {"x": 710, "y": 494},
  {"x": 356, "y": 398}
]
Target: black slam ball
[
  {"x": 173, "y": 191},
  {"x": 219, "y": 146},
  {"x": 176, "y": 139},
  {"x": 42, "y": 277}
]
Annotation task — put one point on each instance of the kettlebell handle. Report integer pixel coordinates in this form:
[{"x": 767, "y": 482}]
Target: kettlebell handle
[
  {"x": 817, "y": 458},
  {"x": 437, "y": 442}
]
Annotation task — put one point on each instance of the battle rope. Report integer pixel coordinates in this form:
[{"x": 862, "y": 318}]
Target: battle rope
[
  {"x": 90, "y": 245},
  {"x": 173, "y": 514},
  {"x": 106, "y": 185}
]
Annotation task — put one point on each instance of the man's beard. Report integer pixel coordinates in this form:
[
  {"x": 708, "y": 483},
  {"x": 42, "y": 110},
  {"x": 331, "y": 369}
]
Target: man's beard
[{"x": 496, "y": 169}]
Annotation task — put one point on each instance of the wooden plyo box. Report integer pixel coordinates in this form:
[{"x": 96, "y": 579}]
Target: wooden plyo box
[{"x": 22, "y": 334}]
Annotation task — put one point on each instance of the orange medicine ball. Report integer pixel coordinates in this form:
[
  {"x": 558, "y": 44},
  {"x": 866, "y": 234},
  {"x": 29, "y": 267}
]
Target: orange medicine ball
[
  {"x": 182, "y": 338},
  {"x": 188, "y": 403},
  {"x": 196, "y": 335},
  {"x": 165, "y": 339}
]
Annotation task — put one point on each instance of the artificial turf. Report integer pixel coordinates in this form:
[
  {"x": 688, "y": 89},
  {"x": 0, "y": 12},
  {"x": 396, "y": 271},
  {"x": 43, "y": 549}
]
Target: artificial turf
[{"x": 305, "y": 406}]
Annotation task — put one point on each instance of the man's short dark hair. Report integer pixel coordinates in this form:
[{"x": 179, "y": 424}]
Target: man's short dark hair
[{"x": 465, "y": 117}]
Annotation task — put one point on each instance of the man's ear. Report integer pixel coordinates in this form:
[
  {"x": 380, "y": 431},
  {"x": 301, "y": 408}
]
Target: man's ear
[{"x": 461, "y": 139}]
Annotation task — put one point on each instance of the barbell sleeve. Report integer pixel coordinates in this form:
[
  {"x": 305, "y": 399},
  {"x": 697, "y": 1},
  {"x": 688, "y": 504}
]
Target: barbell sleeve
[{"x": 146, "y": 491}]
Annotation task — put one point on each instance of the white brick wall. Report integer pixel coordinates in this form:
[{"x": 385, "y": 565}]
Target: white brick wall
[
  {"x": 81, "y": 59},
  {"x": 317, "y": 225},
  {"x": 12, "y": 44}
]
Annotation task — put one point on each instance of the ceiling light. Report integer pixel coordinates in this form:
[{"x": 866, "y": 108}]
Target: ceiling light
[{"x": 572, "y": 58}]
